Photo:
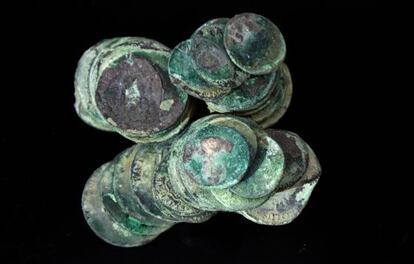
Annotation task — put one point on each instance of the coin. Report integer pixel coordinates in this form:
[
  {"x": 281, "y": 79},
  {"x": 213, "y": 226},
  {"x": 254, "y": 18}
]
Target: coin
[
  {"x": 100, "y": 221},
  {"x": 184, "y": 75},
  {"x": 265, "y": 172},
  {"x": 128, "y": 89},
  {"x": 210, "y": 57},
  {"x": 284, "y": 206},
  {"x": 124, "y": 195},
  {"x": 296, "y": 155},
  {"x": 249, "y": 95},
  {"x": 232, "y": 202},
  {"x": 189, "y": 190},
  {"x": 144, "y": 166},
  {"x": 216, "y": 156},
  {"x": 171, "y": 202},
  {"x": 254, "y": 43},
  {"x": 282, "y": 105}
]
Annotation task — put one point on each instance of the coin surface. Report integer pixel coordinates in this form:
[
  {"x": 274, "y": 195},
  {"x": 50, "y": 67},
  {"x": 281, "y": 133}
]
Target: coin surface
[
  {"x": 210, "y": 57},
  {"x": 254, "y": 43},
  {"x": 122, "y": 85},
  {"x": 100, "y": 221},
  {"x": 284, "y": 206},
  {"x": 143, "y": 169},
  {"x": 173, "y": 203},
  {"x": 296, "y": 155},
  {"x": 184, "y": 75},
  {"x": 124, "y": 195},
  {"x": 247, "y": 96},
  {"x": 216, "y": 156},
  {"x": 265, "y": 172}
]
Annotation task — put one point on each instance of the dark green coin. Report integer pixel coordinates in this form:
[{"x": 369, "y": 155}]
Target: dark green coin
[
  {"x": 216, "y": 156},
  {"x": 124, "y": 194},
  {"x": 168, "y": 200},
  {"x": 248, "y": 96},
  {"x": 296, "y": 154},
  {"x": 210, "y": 57},
  {"x": 241, "y": 126},
  {"x": 284, "y": 206},
  {"x": 254, "y": 43},
  {"x": 100, "y": 220},
  {"x": 266, "y": 171},
  {"x": 184, "y": 75}
]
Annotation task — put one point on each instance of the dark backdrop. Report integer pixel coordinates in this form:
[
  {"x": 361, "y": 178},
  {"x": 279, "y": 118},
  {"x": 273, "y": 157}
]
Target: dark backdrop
[{"x": 335, "y": 56}]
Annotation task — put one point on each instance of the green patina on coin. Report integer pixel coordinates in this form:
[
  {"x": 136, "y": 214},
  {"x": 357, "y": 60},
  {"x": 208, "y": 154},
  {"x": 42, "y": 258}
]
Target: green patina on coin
[
  {"x": 184, "y": 75},
  {"x": 248, "y": 96},
  {"x": 216, "y": 156},
  {"x": 296, "y": 154},
  {"x": 173, "y": 203},
  {"x": 189, "y": 190},
  {"x": 241, "y": 126},
  {"x": 143, "y": 169},
  {"x": 140, "y": 89},
  {"x": 284, "y": 206},
  {"x": 124, "y": 194},
  {"x": 282, "y": 105},
  {"x": 265, "y": 172},
  {"x": 212, "y": 30},
  {"x": 210, "y": 57},
  {"x": 254, "y": 43},
  {"x": 275, "y": 107},
  {"x": 99, "y": 219},
  {"x": 123, "y": 85},
  {"x": 232, "y": 202}
]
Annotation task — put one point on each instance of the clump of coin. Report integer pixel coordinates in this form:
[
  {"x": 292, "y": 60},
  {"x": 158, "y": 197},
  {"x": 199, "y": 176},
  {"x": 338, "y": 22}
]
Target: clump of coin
[
  {"x": 182, "y": 171},
  {"x": 236, "y": 66}
]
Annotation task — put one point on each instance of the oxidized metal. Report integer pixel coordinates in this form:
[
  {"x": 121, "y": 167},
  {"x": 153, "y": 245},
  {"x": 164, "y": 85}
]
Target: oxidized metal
[
  {"x": 220, "y": 162},
  {"x": 122, "y": 85}
]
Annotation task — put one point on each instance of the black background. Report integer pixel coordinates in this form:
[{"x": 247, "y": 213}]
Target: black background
[{"x": 335, "y": 53}]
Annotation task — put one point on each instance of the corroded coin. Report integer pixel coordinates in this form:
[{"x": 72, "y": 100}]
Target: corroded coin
[
  {"x": 277, "y": 104},
  {"x": 168, "y": 200},
  {"x": 124, "y": 194},
  {"x": 232, "y": 202},
  {"x": 212, "y": 30},
  {"x": 210, "y": 57},
  {"x": 100, "y": 221},
  {"x": 284, "y": 206},
  {"x": 123, "y": 85},
  {"x": 254, "y": 43},
  {"x": 216, "y": 156},
  {"x": 143, "y": 169},
  {"x": 249, "y": 95},
  {"x": 282, "y": 105},
  {"x": 265, "y": 172},
  {"x": 184, "y": 75},
  {"x": 296, "y": 155},
  {"x": 241, "y": 126}
]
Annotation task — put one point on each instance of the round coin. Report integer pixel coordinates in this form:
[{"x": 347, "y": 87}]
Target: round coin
[
  {"x": 284, "y": 206},
  {"x": 254, "y": 43},
  {"x": 296, "y": 154}
]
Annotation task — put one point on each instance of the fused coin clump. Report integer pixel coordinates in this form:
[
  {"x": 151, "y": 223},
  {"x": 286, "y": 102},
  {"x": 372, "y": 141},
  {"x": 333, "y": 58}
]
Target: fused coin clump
[{"x": 180, "y": 171}]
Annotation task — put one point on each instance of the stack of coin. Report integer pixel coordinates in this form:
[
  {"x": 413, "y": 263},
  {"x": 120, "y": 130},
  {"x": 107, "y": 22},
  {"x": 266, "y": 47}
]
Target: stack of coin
[
  {"x": 236, "y": 66},
  {"x": 220, "y": 163},
  {"x": 122, "y": 85}
]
